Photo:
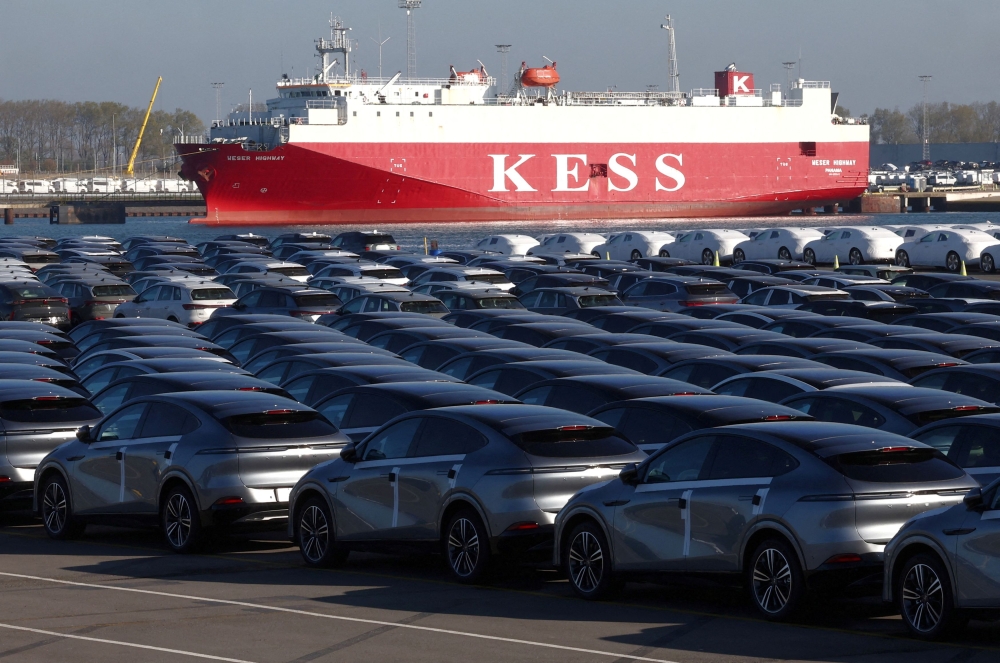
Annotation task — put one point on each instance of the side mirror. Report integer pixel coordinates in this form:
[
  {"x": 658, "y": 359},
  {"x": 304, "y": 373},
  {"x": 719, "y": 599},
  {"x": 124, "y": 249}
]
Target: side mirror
[
  {"x": 85, "y": 434},
  {"x": 973, "y": 499},
  {"x": 349, "y": 453},
  {"x": 629, "y": 474}
]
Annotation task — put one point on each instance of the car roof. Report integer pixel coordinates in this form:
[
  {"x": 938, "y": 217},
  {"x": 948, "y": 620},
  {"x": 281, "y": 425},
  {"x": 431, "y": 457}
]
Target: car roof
[
  {"x": 826, "y": 438},
  {"x": 432, "y": 394},
  {"x": 516, "y": 419},
  {"x": 576, "y": 291},
  {"x": 903, "y": 398},
  {"x": 715, "y": 408},
  {"x": 628, "y": 385},
  {"x": 823, "y": 378},
  {"x": 227, "y": 403},
  {"x": 25, "y": 389}
]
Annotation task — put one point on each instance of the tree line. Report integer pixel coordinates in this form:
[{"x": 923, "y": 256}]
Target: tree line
[
  {"x": 948, "y": 123},
  {"x": 51, "y": 137}
]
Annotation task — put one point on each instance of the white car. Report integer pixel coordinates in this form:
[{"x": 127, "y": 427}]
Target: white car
[
  {"x": 910, "y": 232},
  {"x": 292, "y": 270},
  {"x": 633, "y": 244},
  {"x": 989, "y": 228},
  {"x": 988, "y": 259},
  {"x": 386, "y": 273},
  {"x": 781, "y": 243},
  {"x": 855, "y": 245},
  {"x": 945, "y": 248},
  {"x": 489, "y": 277},
  {"x": 187, "y": 303},
  {"x": 701, "y": 245},
  {"x": 569, "y": 243},
  {"x": 516, "y": 245}
]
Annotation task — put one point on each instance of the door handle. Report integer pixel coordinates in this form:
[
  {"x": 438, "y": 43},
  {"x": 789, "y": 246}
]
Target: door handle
[
  {"x": 682, "y": 503},
  {"x": 72, "y": 458},
  {"x": 756, "y": 500},
  {"x": 452, "y": 473},
  {"x": 167, "y": 454},
  {"x": 392, "y": 477},
  {"x": 119, "y": 455}
]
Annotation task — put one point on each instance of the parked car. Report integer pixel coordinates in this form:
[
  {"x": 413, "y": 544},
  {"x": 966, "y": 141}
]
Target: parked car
[
  {"x": 971, "y": 289},
  {"x": 980, "y": 381},
  {"x": 772, "y": 503},
  {"x": 511, "y": 378},
  {"x": 792, "y": 296},
  {"x": 677, "y": 293},
  {"x": 357, "y": 241},
  {"x": 782, "y": 243},
  {"x": 568, "y": 243},
  {"x": 405, "y": 302},
  {"x": 187, "y": 303},
  {"x": 560, "y": 301},
  {"x": 34, "y": 302},
  {"x": 902, "y": 365},
  {"x": 584, "y": 393},
  {"x": 470, "y": 363},
  {"x": 633, "y": 244},
  {"x": 777, "y": 385},
  {"x": 298, "y": 302},
  {"x": 709, "y": 371},
  {"x": 703, "y": 245},
  {"x": 508, "y": 244},
  {"x": 949, "y": 249},
  {"x": 127, "y": 389},
  {"x": 472, "y": 514},
  {"x": 313, "y": 386},
  {"x": 855, "y": 245}
]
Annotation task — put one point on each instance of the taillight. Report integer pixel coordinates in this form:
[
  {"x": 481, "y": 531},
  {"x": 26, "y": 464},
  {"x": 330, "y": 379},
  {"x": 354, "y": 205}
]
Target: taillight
[
  {"x": 693, "y": 303},
  {"x": 487, "y": 402},
  {"x": 966, "y": 408},
  {"x": 250, "y": 389},
  {"x": 573, "y": 428},
  {"x": 778, "y": 417},
  {"x": 229, "y": 501},
  {"x": 523, "y": 527},
  {"x": 892, "y": 450},
  {"x": 47, "y": 398},
  {"x": 43, "y": 379},
  {"x": 846, "y": 558},
  {"x": 277, "y": 412},
  {"x": 4, "y": 479}
]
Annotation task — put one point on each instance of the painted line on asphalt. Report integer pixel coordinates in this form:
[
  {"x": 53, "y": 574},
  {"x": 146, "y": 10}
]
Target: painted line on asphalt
[
  {"x": 105, "y": 641},
  {"x": 357, "y": 620}
]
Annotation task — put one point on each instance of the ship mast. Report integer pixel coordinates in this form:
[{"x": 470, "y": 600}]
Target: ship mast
[
  {"x": 339, "y": 42},
  {"x": 673, "y": 76}
]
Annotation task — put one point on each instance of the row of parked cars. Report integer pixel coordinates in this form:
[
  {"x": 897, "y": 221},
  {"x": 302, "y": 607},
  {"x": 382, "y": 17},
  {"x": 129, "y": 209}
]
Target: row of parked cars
[{"x": 783, "y": 443}]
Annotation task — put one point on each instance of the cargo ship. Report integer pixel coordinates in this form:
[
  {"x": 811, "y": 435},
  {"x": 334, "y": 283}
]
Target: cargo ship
[{"x": 342, "y": 147}]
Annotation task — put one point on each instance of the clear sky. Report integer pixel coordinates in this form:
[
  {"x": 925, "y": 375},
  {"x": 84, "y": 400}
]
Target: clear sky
[{"x": 872, "y": 50}]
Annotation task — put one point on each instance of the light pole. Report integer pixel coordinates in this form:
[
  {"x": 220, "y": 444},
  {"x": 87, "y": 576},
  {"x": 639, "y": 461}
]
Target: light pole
[
  {"x": 925, "y": 79},
  {"x": 218, "y": 100},
  {"x": 381, "y": 42},
  {"x": 411, "y": 36}
]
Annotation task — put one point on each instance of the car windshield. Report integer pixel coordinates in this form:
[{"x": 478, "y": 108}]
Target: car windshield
[
  {"x": 113, "y": 291},
  {"x": 707, "y": 289},
  {"x": 499, "y": 302},
  {"x": 325, "y": 301},
  {"x": 279, "y": 424},
  {"x": 573, "y": 442},
  {"x": 487, "y": 278},
  {"x": 48, "y": 410},
  {"x": 212, "y": 293},
  {"x": 902, "y": 465},
  {"x": 597, "y": 300},
  {"x": 291, "y": 271},
  {"x": 383, "y": 273},
  {"x": 423, "y": 307}
]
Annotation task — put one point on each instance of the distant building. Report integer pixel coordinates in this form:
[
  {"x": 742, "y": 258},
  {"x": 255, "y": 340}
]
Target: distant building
[{"x": 9, "y": 169}]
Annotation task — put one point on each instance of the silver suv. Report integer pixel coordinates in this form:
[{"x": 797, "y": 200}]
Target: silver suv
[
  {"x": 186, "y": 461},
  {"x": 471, "y": 481},
  {"x": 787, "y": 505}
]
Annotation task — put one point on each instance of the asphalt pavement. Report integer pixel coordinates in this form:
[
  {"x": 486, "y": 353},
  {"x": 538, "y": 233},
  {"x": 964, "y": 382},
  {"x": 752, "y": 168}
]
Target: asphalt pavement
[{"x": 117, "y": 595}]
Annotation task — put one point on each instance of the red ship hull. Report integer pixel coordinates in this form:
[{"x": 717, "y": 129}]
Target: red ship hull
[{"x": 349, "y": 183}]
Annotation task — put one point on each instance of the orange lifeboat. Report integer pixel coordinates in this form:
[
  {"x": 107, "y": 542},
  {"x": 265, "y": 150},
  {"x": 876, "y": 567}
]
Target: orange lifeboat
[
  {"x": 474, "y": 76},
  {"x": 546, "y": 76}
]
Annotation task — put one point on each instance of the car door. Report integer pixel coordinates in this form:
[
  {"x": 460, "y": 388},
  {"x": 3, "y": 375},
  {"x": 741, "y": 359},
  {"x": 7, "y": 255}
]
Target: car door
[
  {"x": 430, "y": 473},
  {"x": 684, "y": 247},
  {"x": 150, "y": 453},
  {"x": 270, "y": 302},
  {"x": 652, "y": 522},
  {"x": 98, "y": 475},
  {"x": 366, "y": 501},
  {"x": 146, "y": 302},
  {"x": 728, "y": 502},
  {"x": 978, "y": 553}
]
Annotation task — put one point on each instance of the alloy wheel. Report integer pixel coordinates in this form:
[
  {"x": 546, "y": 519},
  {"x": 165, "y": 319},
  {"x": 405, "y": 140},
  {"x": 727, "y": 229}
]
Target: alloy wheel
[
  {"x": 54, "y": 507},
  {"x": 314, "y": 533},
  {"x": 987, "y": 264},
  {"x": 586, "y": 562},
  {"x": 809, "y": 256},
  {"x": 177, "y": 520},
  {"x": 923, "y": 598},
  {"x": 953, "y": 262},
  {"x": 902, "y": 259},
  {"x": 463, "y": 547},
  {"x": 856, "y": 258},
  {"x": 784, "y": 254},
  {"x": 738, "y": 256},
  {"x": 707, "y": 257},
  {"x": 772, "y": 580}
]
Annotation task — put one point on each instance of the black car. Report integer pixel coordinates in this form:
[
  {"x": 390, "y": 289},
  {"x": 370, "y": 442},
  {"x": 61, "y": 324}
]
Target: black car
[
  {"x": 972, "y": 443},
  {"x": 560, "y": 301},
  {"x": 125, "y": 389},
  {"x": 513, "y": 377},
  {"x": 653, "y": 422},
  {"x": 945, "y": 322},
  {"x": 777, "y": 385},
  {"x": 227, "y": 338},
  {"x": 710, "y": 371},
  {"x": 772, "y": 265},
  {"x": 990, "y": 330},
  {"x": 403, "y": 302},
  {"x": 722, "y": 274},
  {"x": 285, "y": 368},
  {"x": 265, "y": 357},
  {"x": 980, "y": 381},
  {"x": 363, "y": 328},
  {"x": 469, "y": 363},
  {"x": 540, "y": 333},
  {"x": 803, "y": 327},
  {"x": 681, "y": 323},
  {"x": 396, "y": 340},
  {"x": 893, "y": 409},
  {"x": 881, "y": 292},
  {"x": 34, "y": 302},
  {"x": 757, "y": 317},
  {"x": 432, "y": 353},
  {"x": 661, "y": 263},
  {"x": 295, "y": 301},
  {"x": 42, "y": 374},
  {"x": 800, "y": 347},
  {"x": 970, "y": 289},
  {"x": 21, "y": 358},
  {"x": 124, "y": 368},
  {"x": 312, "y": 386},
  {"x": 619, "y": 319},
  {"x": 173, "y": 341},
  {"x": 216, "y": 326},
  {"x": 900, "y": 365},
  {"x": 654, "y": 357},
  {"x": 559, "y": 280},
  {"x": 100, "y": 335},
  {"x": 459, "y": 300},
  {"x": 589, "y": 342},
  {"x": 356, "y": 242},
  {"x": 876, "y": 311},
  {"x": 744, "y": 285},
  {"x": 870, "y": 331},
  {"x": 251, "y": 345},
  {"x": 584, "y": 393},
  {"x": 927, "y": 280},
  {"x": 956, "y": 345}
]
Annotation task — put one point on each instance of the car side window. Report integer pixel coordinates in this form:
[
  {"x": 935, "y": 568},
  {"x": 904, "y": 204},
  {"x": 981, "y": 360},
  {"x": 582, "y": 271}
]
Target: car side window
[
  {"x": 628, "y": 359},
  {"x": 393, "y": 442},
  {"x": 511, "y": 381},
  {"x": 758, "y": 298},
  {"x": 166, "y": 420},
  {"x": 574, "y": 398},
  {"x": 122, "y": 425},
  {"x": 373, "y": 305},
  {"x": 841, "y": 411},
  {"x": 270, "y": 299},
  {"x": 850, "y": 364},
  {"x": 976, "y": 386},
  {"x": 274, "y": 374},
  {"x": 300, "y": 387},
  {"x": 335, "y": 409},
  {"x": 253, "y": 299},
  {"x": 659, "y": 289},
  {"x": 445, "y": 437},
  {"x": 548, "y": 300},
  {"x": 683, "y": 462},
  {"x": 111, "y": 398},
  {"x": 646, "y": 426},
  {"x": 176, "y": 294},
  {"x": 166, "y": 294},
  {"x": 742, "y": 458},
  {"x": 927, "y": 238},
  {"x": 372, "y": 410},
  {"x": 770, "y": 390},
  {"x": 976, "y": 446},
  {"x": 150, "y": 294}
]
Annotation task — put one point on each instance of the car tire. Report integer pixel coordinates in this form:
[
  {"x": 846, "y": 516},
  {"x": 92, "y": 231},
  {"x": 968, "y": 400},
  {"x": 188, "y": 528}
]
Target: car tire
[
  {"x": 739, "y": 256},
  {"x": 855, "y": 257},
  {"x": 664, "y": 254},
  {"x": 587, "y": 563},
  {"x": 925, "y": 598},
  {"x": 775, "y": 580},
  {"x": 902, "y": 259},
  {"x": 180, "y": 520},
  {"x": 809, "y": 256},
  {"x": 707, "y": 257},
  {"x": 784, "y": 254},
  {"x": 120, "y": 317},
  {"x": 987, "y": 264},
  {"x": 314, "y": 533},
  {"x": 596, "y": 254},
  {"x": 172, "y": 319},
  {"x": 953, "y": 262},
  {"x": 636, "y": 254},
  {"x": 57, "y": 510},
  {"x": 466, "y": 547}
]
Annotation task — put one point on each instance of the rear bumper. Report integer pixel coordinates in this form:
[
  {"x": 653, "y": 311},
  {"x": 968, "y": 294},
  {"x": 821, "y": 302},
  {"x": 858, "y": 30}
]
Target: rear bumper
[
  {"x": 16, "y": 495},
  {"x": 864, "y": 577},
  {"x": 248, "y": 517},
  {"x": 532, "y": 545}
]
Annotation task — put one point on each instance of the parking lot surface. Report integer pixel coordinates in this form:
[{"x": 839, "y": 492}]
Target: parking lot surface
[{"x": 117, "y": 595}]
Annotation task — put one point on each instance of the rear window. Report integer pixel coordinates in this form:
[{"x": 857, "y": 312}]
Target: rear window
[
  {"x": 291, "y": 271},
  {"x": 41, "y": 259},
  {"x": 279, "y": 424},
  {"x": 42, "y": 410},
  {"x": 423, "y": 307},
  {"x": 707, "y": 289},
  {"x": 30, "y": 292},
  {"x": 816, "y": 297},
  {"x": 896, "y": 466},
  {"x": 597, "y": 300},
  {"x": 930, "y": 416},
  {"x": 328, "y": 301},
  {"x": 379, "y": 239},
  {"x": 387, "y": 273},
  {"x": 499, "y": 302},
  {"x": 487, "y": 278},
  {"x": 113, "y": 291},
  {"x": 567, "y": 443},
  {"x": 212, "y": 293}
]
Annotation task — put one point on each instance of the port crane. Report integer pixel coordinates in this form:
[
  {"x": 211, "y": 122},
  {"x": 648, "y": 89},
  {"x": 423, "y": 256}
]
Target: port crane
[{"x": 138, "y": 141}]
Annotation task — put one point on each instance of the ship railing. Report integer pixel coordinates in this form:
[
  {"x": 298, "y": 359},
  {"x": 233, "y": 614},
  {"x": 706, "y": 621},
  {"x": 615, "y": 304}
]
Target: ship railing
[
  {"x": 373, "y": 80},
  {"x": 823, "y": 85},
  {"x": 191, "y": 139},
  {"x": 247, "y": 122},
  {"x": 704, "y": 92}
]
